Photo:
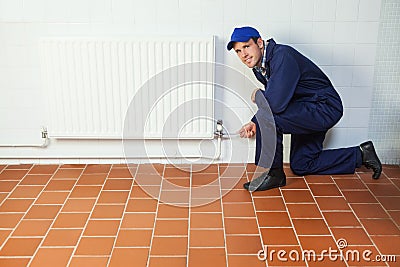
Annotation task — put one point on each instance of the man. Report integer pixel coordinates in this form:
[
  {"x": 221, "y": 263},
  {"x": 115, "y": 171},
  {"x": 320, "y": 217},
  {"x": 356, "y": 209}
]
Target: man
[{"x": 303, "y": 103}]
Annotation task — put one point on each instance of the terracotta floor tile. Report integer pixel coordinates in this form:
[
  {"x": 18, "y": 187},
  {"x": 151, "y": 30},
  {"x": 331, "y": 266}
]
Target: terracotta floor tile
[
  {"x": 4, "y": 235},
  {"x": 349, "y": 183},
  {"x": 199, "y": 179},
  {"x": 167, "y": 261},
  {"x": 16, "y": 205},
  {"x": 14, "y": 262},
  {"x": 138, "y": 220},
  {"x": 332, "y": 203},
  {"x": 163, "y": 246},
  {"x": 95, "y": 246},
  {"x": 175, "y": 184},
  {"x": 35, "y": 179},
  {"x": 304, "y": 211},
  {"x": 12, "y": 175},
  {"x": 108, "y": 211},
  {"x": 369, "y": 211},
  {"x": 89, "y": 261},
  {"x": 215, "y": 257},
  {"x": 235, "y": 226},
  {"x": 20, "y": 247},
  {"x": 273, "y": 219},
  {"x": 118, "y": 184},
  {"x": 141, "y": 205},
  {"x": 134, "y": 238},
  {"x": 278, "y": 236},
  {"x": 175, "y": 196},
  {"x": 371, "y": 254},
  {"x": 385, "y": 247},
  {"x": 17, "y": 167},
  {"x": 233, "y": 172},
  {"x": 32, "y": 228},
  {"x": 269, "y": 204},
  {"x": 120, "y": 173},
  {"x": 101, "y": 228},
  {"x": 232, "y": 183},
  {"x": 236, "y": 196},
  {"x": 71, "y": 220},
  {"x": 207, "y": 238},
  {"x": 392, "y": 171},
  {"x": 238, "y": 210},
  {"x": 67, "y": 173},
  {"x": 173, "y": 172},
  {"x": 380, "y": 227},
  {"x": 317, "y": 243},
  {"x": 169, "y": 211},
  {"x": 85, "y": 191},
  {"x": 243, "y": 244},
  {"x": 295, "y": 183},
  {"x": 121, "y": 256},
  {"x": 73, "y": 166},
  {"x": 205, "y": 168},
  {"x": 361, "y": 196},
  {"x": 26, "y": 191},
  {"x": 319, "y": 179},
  {"x": 324, "y": 190},
  {"x": 353, "y": 236},
  {"x": 62, "y": 237},
  {"x": 341, "y": 218},
  {"x": 326, "y": 262},
  {"x": 48, "y": 197},
  {"x": 142, "y": 179},
  {"x": 113, "y": 197},
  {"x": 3, "y": 196},
  {"x": 390, "y": 203},
  {"x": 384, "y": 190},
  {"x": 275, "y": 192},
  {"x": 147, "y": 191},
  {"x": 395, "y": 215},
  {"x": 52, "y": 257},
  {"x": 244, "y": 260},
  {"x": 367, "y": 178},
  {"x": 97, "y": 168},
  {"x": 297, "y": 196},
  {"x": 43, "y": 169},
  {"x": 310, "y": 227},
  {"x": 78, "y": 205},
  {"x": 171, "y": 227},
  {"x": 60, "y": 185},
  {"x": 206, "y": 206},
  {"x": 43, "y": 212},
  {"x": 92, "y": 179},
  {"x": 205, "y": 220},
  {"x": 151, "y": 168},
  {"x": 7, "y": 186},
  {"x": 208, "y": 191},
  {"x": 10, "y": 220}
]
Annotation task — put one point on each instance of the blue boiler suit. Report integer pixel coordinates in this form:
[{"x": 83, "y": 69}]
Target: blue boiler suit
[{"x": 304, "y": 104}]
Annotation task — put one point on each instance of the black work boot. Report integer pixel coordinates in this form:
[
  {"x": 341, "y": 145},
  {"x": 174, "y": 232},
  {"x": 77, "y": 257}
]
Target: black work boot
[
  {"x": 370, "y": 159},
  {"x": 267, "y": 180}
]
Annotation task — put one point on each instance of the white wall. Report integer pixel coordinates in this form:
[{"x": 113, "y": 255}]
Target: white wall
[{"x": 339, "y": 35}]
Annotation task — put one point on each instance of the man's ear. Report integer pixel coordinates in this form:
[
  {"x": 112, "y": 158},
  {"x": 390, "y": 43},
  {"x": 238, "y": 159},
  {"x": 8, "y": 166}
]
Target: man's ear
[{"x": 260, "y": 42}]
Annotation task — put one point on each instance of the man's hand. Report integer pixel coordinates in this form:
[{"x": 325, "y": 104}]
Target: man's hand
[
  {"x": 248, "y": 130},
  {"x": 253, "y": 95}
]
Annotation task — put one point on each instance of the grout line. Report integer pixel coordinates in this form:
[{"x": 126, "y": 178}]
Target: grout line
[{"x": 223, "y": 216}]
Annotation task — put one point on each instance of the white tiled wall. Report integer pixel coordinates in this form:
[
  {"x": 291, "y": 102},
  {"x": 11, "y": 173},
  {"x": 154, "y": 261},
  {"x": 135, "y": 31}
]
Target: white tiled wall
[
  {"x": 339, "y": 35},
  {"x": 384, "y": 126}
]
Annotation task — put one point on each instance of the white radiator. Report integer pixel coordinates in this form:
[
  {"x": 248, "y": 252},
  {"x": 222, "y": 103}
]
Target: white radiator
[{"x": 90, "y": 83}]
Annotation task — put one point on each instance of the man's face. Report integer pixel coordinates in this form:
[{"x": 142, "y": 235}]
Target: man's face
[{"x": 250, "y": 53}]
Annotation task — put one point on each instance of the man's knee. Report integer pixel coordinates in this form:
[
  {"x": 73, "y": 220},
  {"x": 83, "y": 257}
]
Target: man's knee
[{"x": 299, "y": 168}]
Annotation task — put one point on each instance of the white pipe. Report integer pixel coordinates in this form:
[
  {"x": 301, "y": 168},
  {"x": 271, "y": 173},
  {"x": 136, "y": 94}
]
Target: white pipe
[{"x": 42, "y": 145}]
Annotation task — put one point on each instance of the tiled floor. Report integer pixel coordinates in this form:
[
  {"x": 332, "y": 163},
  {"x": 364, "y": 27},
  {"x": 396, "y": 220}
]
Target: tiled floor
[{"x": 112, "y": 215}]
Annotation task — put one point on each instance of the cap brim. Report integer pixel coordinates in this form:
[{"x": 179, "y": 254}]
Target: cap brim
[{"x": 241, "y": 39}]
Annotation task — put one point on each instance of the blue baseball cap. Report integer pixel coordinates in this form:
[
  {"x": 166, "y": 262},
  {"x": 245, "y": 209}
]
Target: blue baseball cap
[{"x": 242, "y": 34}]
